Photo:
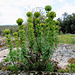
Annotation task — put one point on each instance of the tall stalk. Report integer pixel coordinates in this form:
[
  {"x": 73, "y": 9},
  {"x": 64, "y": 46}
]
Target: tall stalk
[
  {"x": 17, "y": 44},
  {"x": 9, "y": 43}
]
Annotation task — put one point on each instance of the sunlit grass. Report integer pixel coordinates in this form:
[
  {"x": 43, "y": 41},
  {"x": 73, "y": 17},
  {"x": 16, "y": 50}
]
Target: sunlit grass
[{"x": 67, "y": 39}]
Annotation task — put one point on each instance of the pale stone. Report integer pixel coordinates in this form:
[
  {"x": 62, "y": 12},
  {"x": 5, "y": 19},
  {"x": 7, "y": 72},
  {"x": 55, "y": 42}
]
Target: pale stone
[{"x": 2, "y": 54}]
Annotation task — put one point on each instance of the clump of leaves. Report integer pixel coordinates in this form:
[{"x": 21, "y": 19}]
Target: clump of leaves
[
  {"x": 12, "y": 67},
  {"x": 57, "y": 22},
  {"x": 37, "y": 21},
  {"x": 51, "y": 14},
  {"x": 71, "y": 68},
  {"x": 63, "y": 71},
  {"x": 49, "y": 67},
  {"x": 7, "y": 59}
]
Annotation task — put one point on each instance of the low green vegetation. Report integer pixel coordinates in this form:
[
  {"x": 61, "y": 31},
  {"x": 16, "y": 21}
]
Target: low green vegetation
[
  {"x": 67, "y": 39},
  {"x": 69, "y": 69}
]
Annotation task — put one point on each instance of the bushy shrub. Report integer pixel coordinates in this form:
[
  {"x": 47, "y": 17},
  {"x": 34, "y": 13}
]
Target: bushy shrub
[{"x": 36, "y": 49}]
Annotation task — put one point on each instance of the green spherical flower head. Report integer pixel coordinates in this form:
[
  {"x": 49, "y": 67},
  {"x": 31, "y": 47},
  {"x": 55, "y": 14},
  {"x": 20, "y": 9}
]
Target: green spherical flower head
[
  {"x": 48, "y": 8},
  {"x": 29, "y": 14},
  {"x": 36, "y": 14},
  {"x": 51, "y": 14},
  {"x": 57, "y": 22},
  {"x": 7, "y": 31},
  {"x": 19, "y": 21},
  {"x": 15, "y": 34},
  {"x": 42, "y": 24},
  {"x": 37, "y": 21}
]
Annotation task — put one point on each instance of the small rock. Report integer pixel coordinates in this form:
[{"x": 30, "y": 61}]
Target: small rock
[{"x": 4, "y": 56}]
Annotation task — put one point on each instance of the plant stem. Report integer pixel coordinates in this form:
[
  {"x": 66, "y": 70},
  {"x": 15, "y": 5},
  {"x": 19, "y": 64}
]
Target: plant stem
[
  {"x": 39, "y": 60},
  {"x": 22, "y": 64}
]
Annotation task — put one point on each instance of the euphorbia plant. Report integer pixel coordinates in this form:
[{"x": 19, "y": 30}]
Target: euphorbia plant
[
  {"x": 36, "y": 49},
  {"x": 8, "y": 36}
]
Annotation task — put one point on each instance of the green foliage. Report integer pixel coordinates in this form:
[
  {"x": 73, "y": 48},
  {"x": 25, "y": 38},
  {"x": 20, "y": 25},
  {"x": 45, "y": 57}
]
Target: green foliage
[
  {"x": 69, "y": 68},
  {"x": 36, "y": 49},
  {"x": 36, "y": 14},
  {"x": 67, "y": 38},
  {"x": 67, "y": 23},
  {"x": 12, "y": 67},
  {"x": 29, "y": 14},
  {"x": 9, "y": 43},
  {"x": 30, "y": 19},
  {"x": 46, "y": 20},
  {"x": 72, "y": 68},
  {"x": 57, "y": 22},
  {"x": 61, "y": 33},
  {"x": 15, "y": 34},
  {"x": 7, "y": 31},
  {"x": 51, "y": 14},
  {"x": 42, "y": 24},
  {"x": 37, "y": 21},
  {"x": 63, "y": 71},
  {"x": 19, "y": 21},
  {"x": 12, "y": 28},
  {"x": 49, "y": 67},
  {"x": 48, "y": 8},
  {"x": 7, "y": 59},
  {"x": 17, "y": 45}
]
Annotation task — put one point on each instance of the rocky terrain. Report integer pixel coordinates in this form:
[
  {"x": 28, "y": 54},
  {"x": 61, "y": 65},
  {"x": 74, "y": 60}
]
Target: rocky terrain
[
  {"x": 61, "y": 55},
  {"x": 3, "y": 43}
]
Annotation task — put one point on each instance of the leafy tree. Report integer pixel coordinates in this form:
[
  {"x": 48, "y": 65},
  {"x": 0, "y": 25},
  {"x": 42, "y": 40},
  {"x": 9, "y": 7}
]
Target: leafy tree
[{"x": 67, "y": 24}]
